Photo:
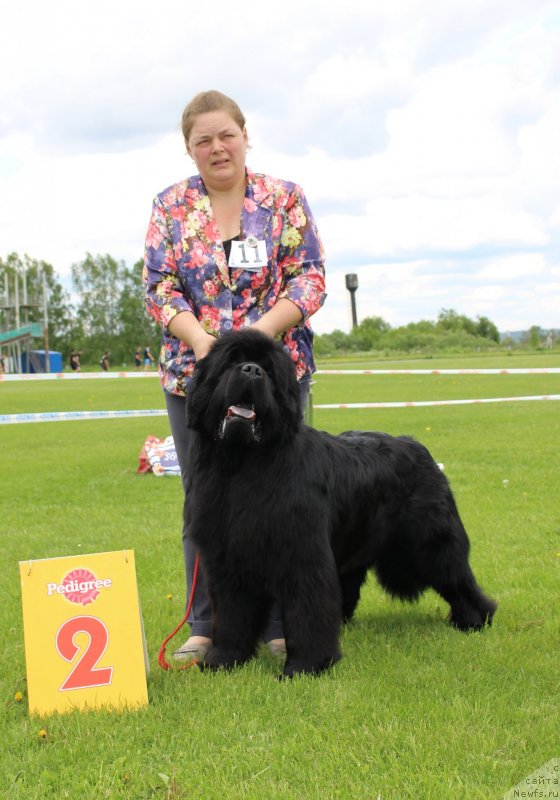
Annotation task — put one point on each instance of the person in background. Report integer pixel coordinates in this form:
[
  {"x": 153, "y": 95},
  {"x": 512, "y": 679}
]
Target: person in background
[
  {"x": 138, "y": 358},
  {"x": 148, "y": 358},
  {"x": 75, "y": 361},
  {"x": 226, "y": 249},
  {"x": 105, "y": 361}
]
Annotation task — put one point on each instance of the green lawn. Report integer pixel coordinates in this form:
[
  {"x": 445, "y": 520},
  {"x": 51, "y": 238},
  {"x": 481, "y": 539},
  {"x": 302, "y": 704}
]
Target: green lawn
[{"x": 413, "y": 710}]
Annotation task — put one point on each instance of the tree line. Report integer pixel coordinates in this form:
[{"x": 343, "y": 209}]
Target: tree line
[
  {"x": 450, "y": 332},
  {"x": 104, "y": 311}
]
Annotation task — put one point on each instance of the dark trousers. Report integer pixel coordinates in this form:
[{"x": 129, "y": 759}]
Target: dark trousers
[{"x": 200, "y": 616}]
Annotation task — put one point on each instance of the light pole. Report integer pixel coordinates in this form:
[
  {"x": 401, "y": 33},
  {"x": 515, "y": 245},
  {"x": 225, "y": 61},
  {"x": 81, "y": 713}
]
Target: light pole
[{"x": 352, "y": 286}]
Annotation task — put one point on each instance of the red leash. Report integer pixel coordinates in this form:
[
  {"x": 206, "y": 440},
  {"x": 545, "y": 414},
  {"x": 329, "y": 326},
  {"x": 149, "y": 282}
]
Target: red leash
[{"x": 161, "y": 655}]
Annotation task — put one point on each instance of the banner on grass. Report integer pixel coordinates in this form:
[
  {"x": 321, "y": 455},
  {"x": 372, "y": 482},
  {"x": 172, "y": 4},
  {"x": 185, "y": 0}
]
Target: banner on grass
[{"x": 84, "y": 638}]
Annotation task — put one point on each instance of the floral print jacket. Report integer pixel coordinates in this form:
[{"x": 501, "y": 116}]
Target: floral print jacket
[{"x": 185, "y": 268}]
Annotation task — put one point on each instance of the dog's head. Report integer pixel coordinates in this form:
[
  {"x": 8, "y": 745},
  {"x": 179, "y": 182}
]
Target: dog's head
[{"x": 244, "y": 392}]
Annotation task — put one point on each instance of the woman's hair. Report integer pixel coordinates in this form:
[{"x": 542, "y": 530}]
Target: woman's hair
[{"x": 204, "y": 102}]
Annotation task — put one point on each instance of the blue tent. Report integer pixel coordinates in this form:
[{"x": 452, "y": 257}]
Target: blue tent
[{"x": 38, "y": 361}]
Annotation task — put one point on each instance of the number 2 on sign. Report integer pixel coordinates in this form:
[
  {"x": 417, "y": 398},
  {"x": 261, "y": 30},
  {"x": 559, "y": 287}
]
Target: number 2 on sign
[{"x": 84, "y": 675}]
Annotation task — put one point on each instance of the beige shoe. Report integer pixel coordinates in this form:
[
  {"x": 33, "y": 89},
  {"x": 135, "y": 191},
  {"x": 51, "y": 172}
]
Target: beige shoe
[
  {"x": 277, "y": 647},
  {"x": 195, "y": 647}
]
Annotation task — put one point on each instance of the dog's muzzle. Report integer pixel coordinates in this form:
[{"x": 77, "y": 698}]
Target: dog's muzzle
[{"x": 240, "y": 420}]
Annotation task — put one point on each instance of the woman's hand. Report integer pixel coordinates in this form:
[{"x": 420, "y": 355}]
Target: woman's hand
[
  {"x": 188, "y": 329},
  {"x": 202, "y": 344},
  {"x": 281, "y": 317}
]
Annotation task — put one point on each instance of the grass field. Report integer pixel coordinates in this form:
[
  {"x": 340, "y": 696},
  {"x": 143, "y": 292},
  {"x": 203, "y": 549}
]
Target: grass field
[{"x": 413, "y": 710}]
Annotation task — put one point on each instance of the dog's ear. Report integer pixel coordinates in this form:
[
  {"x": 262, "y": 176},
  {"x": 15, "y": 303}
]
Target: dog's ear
[
  {"x": 198, "y": 396},
  {"x": 287, "y": 386}
]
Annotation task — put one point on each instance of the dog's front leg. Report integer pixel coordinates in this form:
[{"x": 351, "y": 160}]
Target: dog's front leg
[
  {"x": 238, "y": 618},
  {"x": 311, "y": 612}
]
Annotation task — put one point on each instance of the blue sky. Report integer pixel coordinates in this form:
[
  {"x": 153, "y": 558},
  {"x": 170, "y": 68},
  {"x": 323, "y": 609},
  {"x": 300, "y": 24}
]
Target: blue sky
[{"x": 424, "y": 133}]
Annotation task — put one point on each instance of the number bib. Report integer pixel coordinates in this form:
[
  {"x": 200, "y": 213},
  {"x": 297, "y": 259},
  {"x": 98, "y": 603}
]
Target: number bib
[{"x": 250, "y": 254}]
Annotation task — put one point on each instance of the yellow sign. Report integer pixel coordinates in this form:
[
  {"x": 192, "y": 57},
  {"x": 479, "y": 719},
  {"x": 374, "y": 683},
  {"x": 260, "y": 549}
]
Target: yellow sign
[{"x": 84, "y": 639}]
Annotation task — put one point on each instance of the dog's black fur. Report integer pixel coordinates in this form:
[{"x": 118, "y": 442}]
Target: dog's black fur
[{"x": 281, "y": 511}]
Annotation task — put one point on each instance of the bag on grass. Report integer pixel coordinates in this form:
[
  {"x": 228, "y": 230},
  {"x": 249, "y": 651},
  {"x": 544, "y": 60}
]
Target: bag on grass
[{"x": 159, "y": 456}]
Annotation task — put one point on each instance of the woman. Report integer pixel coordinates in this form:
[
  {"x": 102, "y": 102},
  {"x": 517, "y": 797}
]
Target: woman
[{"x": 226, "y": 249}]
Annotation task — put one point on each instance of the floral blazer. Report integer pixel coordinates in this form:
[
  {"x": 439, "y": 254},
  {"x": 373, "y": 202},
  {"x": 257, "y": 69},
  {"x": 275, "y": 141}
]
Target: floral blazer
[{"x": 185, "y": 268}]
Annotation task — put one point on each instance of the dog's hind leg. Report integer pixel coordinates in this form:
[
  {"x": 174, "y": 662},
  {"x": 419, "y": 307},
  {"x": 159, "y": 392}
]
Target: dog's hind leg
[
  {"x": 448, "y": 571},
  {"x": 440, "y": 562},
  {"x": 471, "y": 609},
  {"x": 350, "y": 587}
]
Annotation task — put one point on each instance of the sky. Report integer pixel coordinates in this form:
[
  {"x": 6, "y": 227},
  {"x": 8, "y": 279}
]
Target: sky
[{"x": 425, "y": 134}]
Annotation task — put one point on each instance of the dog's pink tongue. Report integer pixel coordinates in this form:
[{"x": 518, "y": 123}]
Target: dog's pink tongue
[{"x": 239, "y": 411}]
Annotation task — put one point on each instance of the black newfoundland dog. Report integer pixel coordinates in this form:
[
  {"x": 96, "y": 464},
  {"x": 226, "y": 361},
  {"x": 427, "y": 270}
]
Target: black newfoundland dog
[{"x": 281, "y": 511}]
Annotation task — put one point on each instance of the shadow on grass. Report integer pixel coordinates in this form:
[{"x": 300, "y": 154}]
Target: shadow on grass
[{"x": 396, "y": 621}]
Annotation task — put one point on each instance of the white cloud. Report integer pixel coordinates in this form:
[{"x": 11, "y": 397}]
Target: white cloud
[
  {"x": 355, "y": 76},
  {"x": 511, "y": 268}
]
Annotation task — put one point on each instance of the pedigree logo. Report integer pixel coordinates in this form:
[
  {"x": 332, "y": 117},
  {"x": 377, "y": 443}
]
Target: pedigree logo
[{"x": 79, "y": 586}]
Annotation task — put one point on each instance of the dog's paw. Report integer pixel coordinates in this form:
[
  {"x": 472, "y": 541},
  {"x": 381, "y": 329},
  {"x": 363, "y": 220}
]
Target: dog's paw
[
  {"x": 217, "y": 658},
  {"x": 472, "y": 619},
  {"x": 308, "y": 667}
]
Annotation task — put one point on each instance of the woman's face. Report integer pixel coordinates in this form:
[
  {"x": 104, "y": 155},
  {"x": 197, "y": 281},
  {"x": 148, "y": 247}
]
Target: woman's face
[{"x": 217, "y": 145}]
